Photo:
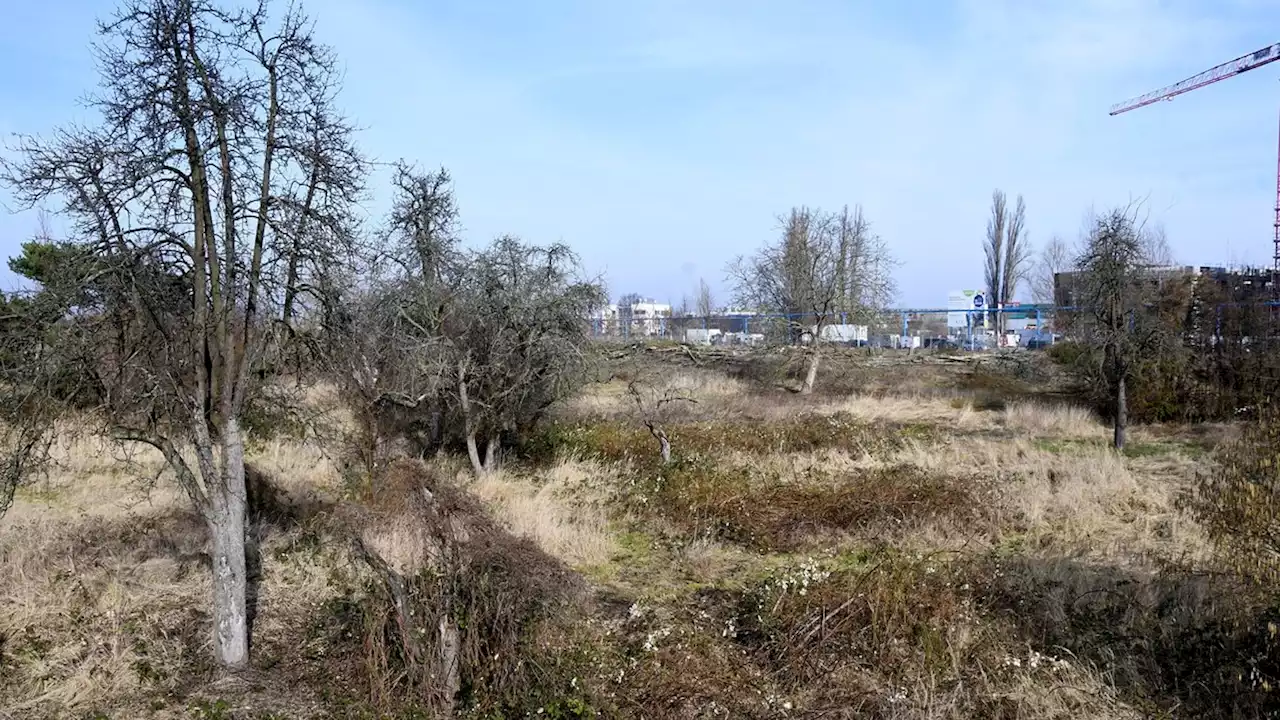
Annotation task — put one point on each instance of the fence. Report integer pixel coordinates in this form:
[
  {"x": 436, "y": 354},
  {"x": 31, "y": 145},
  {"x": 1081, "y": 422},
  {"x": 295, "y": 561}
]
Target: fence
[{"x": 976, "y": 329}]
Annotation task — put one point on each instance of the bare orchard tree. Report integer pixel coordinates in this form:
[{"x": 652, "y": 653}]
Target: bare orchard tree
[
  {"x": 1117, "y": 298},
  {"x": 821, "y": 266},
  {"x": 516, "y": 340},
  {"x": 183, "y": 195},
  {"x": 388, "y": 366},
  {"x": 1006, "y": 251},
  {"x": 1055, "y": 257},
  {"x": 652, "y": 405}
]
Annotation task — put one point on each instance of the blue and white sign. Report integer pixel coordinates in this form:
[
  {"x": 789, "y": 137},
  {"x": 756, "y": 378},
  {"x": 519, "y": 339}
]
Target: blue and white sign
[{"x": 961, "y": 303}]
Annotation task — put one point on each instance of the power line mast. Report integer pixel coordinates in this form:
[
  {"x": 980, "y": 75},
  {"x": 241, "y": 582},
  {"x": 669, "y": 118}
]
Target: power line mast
[{"x": 1244, "y": 63}]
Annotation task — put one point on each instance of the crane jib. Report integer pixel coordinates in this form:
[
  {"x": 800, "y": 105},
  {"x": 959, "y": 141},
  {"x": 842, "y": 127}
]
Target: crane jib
[{"x": 1258, "y": 58}]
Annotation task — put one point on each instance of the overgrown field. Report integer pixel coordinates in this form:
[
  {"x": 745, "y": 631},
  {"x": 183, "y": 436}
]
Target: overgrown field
[{"x": 917, "y": 539}]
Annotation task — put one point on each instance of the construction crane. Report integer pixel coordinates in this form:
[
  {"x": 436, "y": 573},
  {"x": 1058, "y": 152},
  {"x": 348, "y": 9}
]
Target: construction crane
[{"x": 1244, "y": 63}]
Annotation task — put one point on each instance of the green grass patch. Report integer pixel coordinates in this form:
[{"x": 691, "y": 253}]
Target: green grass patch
[
  {"x": 618, "y": 441},
  {"x": 1068, "y": 446},
  {"x": 764, "y": 511}
]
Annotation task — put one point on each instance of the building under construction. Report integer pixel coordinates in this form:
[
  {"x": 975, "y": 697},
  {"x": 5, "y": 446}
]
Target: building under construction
[{"x": 1215, "y": 300}]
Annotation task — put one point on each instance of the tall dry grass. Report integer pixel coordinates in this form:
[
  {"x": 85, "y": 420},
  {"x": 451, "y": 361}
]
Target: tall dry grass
[
  {"x": 562, "y": 509},
  {"x": 947, "y": 413},
  {"x": 1057, "y": 420},
  {"x": 104, "y": 580}
]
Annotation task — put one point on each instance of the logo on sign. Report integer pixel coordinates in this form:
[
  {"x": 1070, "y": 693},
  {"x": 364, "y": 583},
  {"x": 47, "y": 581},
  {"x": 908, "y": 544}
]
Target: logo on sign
[{"x": 978, "y": 301}]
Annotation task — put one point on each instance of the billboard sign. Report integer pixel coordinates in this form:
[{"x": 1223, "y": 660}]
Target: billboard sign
[{"x": 961, "y": 301}]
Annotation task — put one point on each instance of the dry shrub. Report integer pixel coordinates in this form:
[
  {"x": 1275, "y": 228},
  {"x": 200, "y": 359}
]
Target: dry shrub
[
  {"x": 1058, "y": 420},
  {"x": 457, "y": 612},
  {"x": 764, "y": 512},
  {"x": 1174, "y": 643},
  {"x": 892, "y": 636},
  {"x": 1238, "y": 501}
]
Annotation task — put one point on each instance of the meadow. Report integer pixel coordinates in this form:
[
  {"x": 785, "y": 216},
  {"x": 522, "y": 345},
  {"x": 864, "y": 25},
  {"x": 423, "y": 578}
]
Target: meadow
[{"x": 919, "y": 538}]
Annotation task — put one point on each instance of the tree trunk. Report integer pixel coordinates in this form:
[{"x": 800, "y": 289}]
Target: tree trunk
[
  {"x": 464, "y": 402},
  {"x": 450, "y": 670},
  {"x": 473, "y": 452},
  {"x": 226, "y": 518},
  {"x": 664, "y": 448},
  {"x": 491, "y": 454},
  {"x": 1122, "y": 412},
  {"x": 811, "y": 376}
]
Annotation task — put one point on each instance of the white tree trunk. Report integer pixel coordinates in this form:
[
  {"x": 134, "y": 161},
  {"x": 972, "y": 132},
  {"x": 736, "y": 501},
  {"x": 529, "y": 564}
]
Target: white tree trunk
[
  {"x": 491, "y": 454},
  {"x": 226, "y": 519},
  {"x": 811, "y": 376},
  {"x": 1122, "y": 413},
  {"x": 473, "y": 452}
]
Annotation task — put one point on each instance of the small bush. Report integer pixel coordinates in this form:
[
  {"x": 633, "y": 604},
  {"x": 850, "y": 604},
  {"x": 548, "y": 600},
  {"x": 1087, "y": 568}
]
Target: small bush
[
  {"x": 1177, "y": 643},
  {"x": 1238, "y": 502},
  {"x": 453, "y": 584}
]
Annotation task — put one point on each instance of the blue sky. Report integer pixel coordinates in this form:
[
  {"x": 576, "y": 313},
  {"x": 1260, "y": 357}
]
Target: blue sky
[{"x": 660, "y": 138}]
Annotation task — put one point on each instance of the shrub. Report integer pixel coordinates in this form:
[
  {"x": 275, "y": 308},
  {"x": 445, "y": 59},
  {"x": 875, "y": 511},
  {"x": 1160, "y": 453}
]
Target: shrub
[
  {"x": 457, "y": 612},
  {"x": 1238, "y": 502}
]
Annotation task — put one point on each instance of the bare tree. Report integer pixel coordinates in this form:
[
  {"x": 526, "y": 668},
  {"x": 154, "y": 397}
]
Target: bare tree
[
  {"x": 1155, "y": 246},
  {"x": 186, "y": 197},
  {"x": 516, "y": 339},
  {"x": 1007, "y": 253},
  {"x": 705, "y": 300},
  {"x": 1055, "y": 257},
  {"x": 993, "y": 248},
  {"x": 626, "y": 312},
  {"x": 1117, "y": 295},
  {"x": 823, "y": 265},
  {"x": 651, "y": 405},
  {"x": 865, "y": 267},
  {"x": 1017, "y": 255}
]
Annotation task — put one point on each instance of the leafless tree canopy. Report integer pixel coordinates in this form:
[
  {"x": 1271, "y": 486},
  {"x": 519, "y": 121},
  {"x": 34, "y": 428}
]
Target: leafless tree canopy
[
  {"x": 706, "y": 301},
  {"x": 1119, "y": 300},
  {"x": 1006, "y": 250},
  {"x": 1055, "y": 257},
  {"x": 453, "y": 346},
  {"x": 824, "y": 266},
  {"x": 207, "y": 202}
]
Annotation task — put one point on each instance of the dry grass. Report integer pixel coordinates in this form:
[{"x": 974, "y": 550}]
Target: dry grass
[
  {"x": 560, "y": 509},
  {"x": 611, "y": 399},
  {"x": 1058, "y": 420},
  {"x": 942, "y": 544},
  {"x": 913, "y": 410},
  {"x": 103, "y": 581}
]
